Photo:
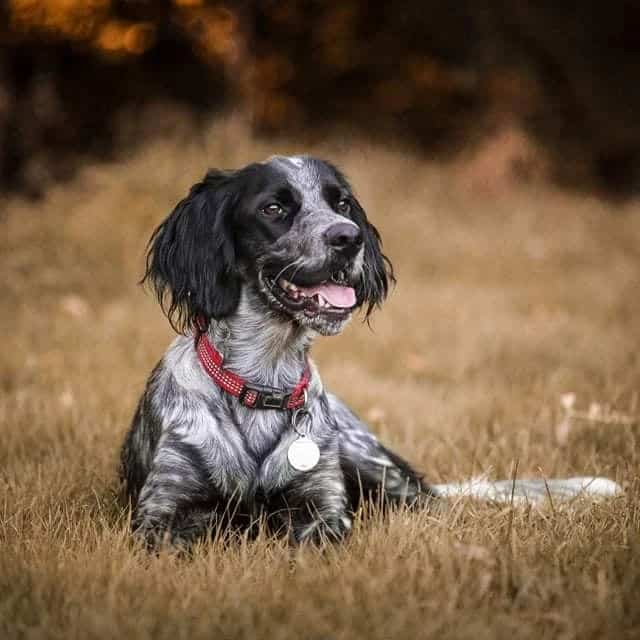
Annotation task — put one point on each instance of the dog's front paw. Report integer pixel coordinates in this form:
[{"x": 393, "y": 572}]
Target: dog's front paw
[{"x": 322, "y": 531}]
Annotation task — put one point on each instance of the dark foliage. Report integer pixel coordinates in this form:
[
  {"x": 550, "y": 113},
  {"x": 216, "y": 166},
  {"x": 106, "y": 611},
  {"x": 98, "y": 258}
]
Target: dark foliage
[{"x": 439, "y": 76}]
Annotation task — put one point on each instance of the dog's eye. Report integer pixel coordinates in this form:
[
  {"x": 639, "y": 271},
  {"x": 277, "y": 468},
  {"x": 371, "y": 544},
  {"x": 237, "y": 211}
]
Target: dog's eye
[
  {"x": 343, "y": 206},
  {"x": 273, "y": 209}
]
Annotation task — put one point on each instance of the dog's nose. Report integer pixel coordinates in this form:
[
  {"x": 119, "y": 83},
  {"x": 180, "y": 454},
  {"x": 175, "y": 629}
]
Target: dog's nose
[{"x": 344, "y": 237}]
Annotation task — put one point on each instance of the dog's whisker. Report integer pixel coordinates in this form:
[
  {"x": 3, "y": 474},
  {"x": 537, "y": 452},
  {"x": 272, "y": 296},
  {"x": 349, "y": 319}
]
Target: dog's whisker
[
  {"x": 297, "y": 269},
  {"x": 288, "y": 266}
]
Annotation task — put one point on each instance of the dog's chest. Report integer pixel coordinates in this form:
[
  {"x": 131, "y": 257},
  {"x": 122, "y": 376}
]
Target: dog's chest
[
  {"x": 268, "y": 435},
  {"x": 262, "y": 431},
  {"x": 244, "y": 450}
]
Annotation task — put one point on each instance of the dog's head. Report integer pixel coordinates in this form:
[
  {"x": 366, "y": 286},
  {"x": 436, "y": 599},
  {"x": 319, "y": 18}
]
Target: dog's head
[{"x": 288, "y": 229}]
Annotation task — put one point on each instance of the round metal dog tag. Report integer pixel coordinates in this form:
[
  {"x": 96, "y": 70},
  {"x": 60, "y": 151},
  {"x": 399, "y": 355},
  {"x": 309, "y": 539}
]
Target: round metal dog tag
[{"x": 303, "y": 454}]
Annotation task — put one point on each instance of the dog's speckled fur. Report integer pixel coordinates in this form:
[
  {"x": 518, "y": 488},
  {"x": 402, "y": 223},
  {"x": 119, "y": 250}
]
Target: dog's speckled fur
[{"x": 195, "y": 457}]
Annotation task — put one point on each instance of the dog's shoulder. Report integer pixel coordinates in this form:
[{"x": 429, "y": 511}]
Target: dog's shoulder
[{"x": 181, "y": 369}]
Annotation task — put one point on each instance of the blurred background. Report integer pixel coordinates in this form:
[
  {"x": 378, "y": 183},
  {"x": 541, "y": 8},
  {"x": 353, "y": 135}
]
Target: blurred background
[
  {"x": 532, "y": 90},
  {"x": 495, "y": 145}
]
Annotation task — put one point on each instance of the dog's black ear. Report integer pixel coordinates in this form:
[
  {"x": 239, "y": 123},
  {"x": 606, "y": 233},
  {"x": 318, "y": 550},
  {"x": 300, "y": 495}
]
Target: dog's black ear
[
  {"x": 377, "y": 272},
  {"x": 191, "y": 260}
]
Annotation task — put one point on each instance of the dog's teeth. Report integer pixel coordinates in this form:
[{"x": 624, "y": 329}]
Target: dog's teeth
[{"x": 285, "y": 284}]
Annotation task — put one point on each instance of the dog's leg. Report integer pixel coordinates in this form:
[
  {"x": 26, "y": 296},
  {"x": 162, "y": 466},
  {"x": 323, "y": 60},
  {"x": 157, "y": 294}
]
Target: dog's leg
[
  {"x": 314, "y": 505},
  {"x": 370, "y": 469},
  {"x": 177, "y": 502}
]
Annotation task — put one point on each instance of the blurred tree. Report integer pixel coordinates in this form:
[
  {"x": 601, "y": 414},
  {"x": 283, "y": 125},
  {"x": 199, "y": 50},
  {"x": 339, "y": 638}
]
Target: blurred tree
[{"x": 443, "y": 77}]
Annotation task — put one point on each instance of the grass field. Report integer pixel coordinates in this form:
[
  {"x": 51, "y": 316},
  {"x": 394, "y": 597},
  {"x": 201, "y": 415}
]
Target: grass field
[{"x": 504, "y": 303}]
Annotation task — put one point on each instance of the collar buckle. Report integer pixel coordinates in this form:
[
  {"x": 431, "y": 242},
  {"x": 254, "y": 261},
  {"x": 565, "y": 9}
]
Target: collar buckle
[{"x": 266, "y": 398}]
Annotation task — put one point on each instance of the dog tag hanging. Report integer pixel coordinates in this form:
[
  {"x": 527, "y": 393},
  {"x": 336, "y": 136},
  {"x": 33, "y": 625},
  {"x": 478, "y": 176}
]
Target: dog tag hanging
[{"x": 303, "y": 453}]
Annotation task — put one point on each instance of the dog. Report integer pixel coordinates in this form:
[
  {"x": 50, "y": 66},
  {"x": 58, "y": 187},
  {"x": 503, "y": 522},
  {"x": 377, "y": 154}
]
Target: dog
[{"x": 234, "y": 426}]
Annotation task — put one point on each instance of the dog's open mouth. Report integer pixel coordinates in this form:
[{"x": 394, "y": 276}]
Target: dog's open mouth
[{"x": 334, "y": 297}]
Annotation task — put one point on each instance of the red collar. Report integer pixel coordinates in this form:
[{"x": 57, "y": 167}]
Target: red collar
[{"x": 252, "y": 396}]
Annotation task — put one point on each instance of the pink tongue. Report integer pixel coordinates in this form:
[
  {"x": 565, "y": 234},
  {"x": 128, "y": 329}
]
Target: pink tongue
[{"x": 335, "y": 294}]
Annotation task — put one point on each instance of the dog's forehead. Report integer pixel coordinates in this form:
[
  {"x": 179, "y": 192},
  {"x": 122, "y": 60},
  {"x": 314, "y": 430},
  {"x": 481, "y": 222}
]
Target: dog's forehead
[
  {"x": 292, "y": 162},
  {"x": 304, "y": 172}
]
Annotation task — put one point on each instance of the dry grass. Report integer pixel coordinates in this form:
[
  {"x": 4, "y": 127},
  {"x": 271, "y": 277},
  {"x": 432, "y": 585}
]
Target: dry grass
[{"x": 503, "y": 305}]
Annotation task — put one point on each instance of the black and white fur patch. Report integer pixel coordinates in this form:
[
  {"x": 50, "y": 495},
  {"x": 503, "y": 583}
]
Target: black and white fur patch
[{"x": 195, "y": 458}]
